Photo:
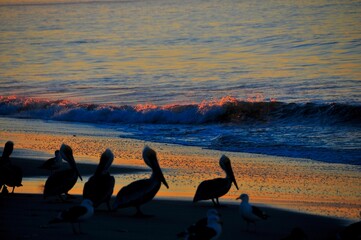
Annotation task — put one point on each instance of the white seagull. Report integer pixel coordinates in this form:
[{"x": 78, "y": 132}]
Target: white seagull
[
  {"x": 142, "y": 191},
  {"x": 249, "y": 213},
  {"x": 216, "y": 188},
  {"x": 76, "y": 214},
  {"x": 209, "y": 228}
]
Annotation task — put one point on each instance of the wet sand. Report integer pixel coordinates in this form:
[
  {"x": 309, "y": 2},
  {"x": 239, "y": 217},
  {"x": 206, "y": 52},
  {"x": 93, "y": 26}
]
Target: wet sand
[{"x": 323, "y": 197}]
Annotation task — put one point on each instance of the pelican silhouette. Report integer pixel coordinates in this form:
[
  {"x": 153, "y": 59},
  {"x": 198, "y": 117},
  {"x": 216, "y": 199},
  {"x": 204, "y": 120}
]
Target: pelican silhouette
[
  {"x": 142, "y": 191},
  {"x": 216, "y": 188},
  {"x": 99, "y": 188},
  {"x": 62, "y": 181},
  {"x": 10, "y": 175}
]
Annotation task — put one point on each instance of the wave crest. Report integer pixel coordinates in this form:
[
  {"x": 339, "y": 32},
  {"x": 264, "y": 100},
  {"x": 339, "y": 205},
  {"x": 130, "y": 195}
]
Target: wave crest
[{"x": 225, "y": 110}]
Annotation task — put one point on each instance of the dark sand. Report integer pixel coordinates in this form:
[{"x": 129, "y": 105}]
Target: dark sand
[{"x": 26, "y": 216}]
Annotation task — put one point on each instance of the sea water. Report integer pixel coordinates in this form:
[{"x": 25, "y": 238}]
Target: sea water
[{"x": 279, "y": 78}]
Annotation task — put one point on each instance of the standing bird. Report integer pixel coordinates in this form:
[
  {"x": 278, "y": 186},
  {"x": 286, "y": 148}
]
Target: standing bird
[
  {"x": 215, "y": 188},
  {"x": 62, "y": 181},
  {"x": 99, "y": 188},
  {"x": 205, "y": 228},
  {"x": 75, "y": 214},
  {"x": 53, "y": 163},
  {"x": 142, "y": 191},
  {"x": 249, "y": 213},
  {"x": 10, "y": 174}
]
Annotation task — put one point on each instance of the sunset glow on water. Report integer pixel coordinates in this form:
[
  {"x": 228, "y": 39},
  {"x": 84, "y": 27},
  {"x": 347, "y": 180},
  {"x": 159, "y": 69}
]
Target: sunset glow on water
[{"x": 274, "y": 85}]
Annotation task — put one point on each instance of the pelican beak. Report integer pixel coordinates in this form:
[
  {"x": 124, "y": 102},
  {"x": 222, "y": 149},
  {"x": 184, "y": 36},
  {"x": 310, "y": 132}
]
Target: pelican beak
[
  {"x": 67, "y": 154},
  {"x": 78, "y": 173},
  {"x": 158, "y": 171},
  {"x": 233, "y": 179},
  {"x": 238, "y": 198}
]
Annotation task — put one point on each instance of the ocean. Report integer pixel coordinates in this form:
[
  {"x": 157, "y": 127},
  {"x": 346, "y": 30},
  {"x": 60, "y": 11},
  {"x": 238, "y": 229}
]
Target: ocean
[{"x": 280, "y": 78}]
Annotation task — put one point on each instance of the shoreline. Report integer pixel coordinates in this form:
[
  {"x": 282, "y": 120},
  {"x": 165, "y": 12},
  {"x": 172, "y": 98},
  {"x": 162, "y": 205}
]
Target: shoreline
[
  {"x": 26, "y": 216},
  {"x": 302, "y": 186}
]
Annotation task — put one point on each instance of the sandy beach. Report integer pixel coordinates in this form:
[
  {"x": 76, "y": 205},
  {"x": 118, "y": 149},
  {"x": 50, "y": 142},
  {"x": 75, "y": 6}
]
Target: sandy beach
[
  {"x": 26, "y": 216},
  {"x": 319, "y": 198}
]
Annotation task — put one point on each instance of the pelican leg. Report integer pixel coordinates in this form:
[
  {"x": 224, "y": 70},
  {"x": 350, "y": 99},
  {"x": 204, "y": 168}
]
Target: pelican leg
[
  {"x": 218, "y": 205},
  {"x": 13, "y": 190},
  {"x": 80, "y": 232},
  {"x": 214, "y": 203},
  {"x": 4, "y": 190},
  {"x": 73, "y": 228}
]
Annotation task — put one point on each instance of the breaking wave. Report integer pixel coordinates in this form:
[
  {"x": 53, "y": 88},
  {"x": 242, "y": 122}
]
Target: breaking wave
[{"x": 225, "y": 110}]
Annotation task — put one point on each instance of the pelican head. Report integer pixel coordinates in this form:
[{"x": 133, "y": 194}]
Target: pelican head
[
  {"x": 150, "y": 158},
  {"x": 8, "y": 149},
  {"x": 67, "y": 154},
  {"x": 225, "y": 164},
  {"x": 105, "y": 162},
  {"x": 244, "y": 197}
]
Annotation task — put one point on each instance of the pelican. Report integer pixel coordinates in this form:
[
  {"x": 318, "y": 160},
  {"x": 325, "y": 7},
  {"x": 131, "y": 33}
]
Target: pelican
[
  {"x": 10, "y": 175},
  {"x": 100, "y": 186},
  {"x": 76, "y": 214},
  {"x": 62, "y": 181},
  {"x": 205, "y": 228},
  {"x": 142, "y": 191},
  {"x": 53, "y": 163},
  {"x": 249, "y": 213},
  {"x": 215, "y": 188}
]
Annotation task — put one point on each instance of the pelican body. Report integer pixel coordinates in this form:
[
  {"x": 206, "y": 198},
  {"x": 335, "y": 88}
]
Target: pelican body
[
  {"x": 249, "y": 213},
  {"x": 10, "y": 175},
  {"x": 216, "y": 188},
  {"x": 62, "y": 181},
  {"x": 142, "y": 191},
  {"x": 99, "y": 188},
  {"x": 53, "y": 163},
  {"x": 76, "y": 214}
]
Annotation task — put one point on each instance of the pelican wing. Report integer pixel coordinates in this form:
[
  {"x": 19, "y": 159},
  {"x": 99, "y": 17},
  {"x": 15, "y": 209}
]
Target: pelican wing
[
  {"x": 213, "y": 188},
  {"x": 99, "y": 189},
  {"x": 60, "y": 182},
  {"x": 136, "y": 193}
]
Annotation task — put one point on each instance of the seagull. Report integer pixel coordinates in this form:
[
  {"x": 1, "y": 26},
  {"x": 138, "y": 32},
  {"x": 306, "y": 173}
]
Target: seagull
[
  {"x": 249, "y": 213},
  {"x": 10, "y": 175},
  {"x": 53, "y": 163},
  {"x": 62, "y": 181},
  {"x": 75, "y": 214},
  {"x": 99, "y": 188},
  {"x": 216, "y": 188},
  {"x": 204, "y": 229},
  {"x": 142, "y": 191}
]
